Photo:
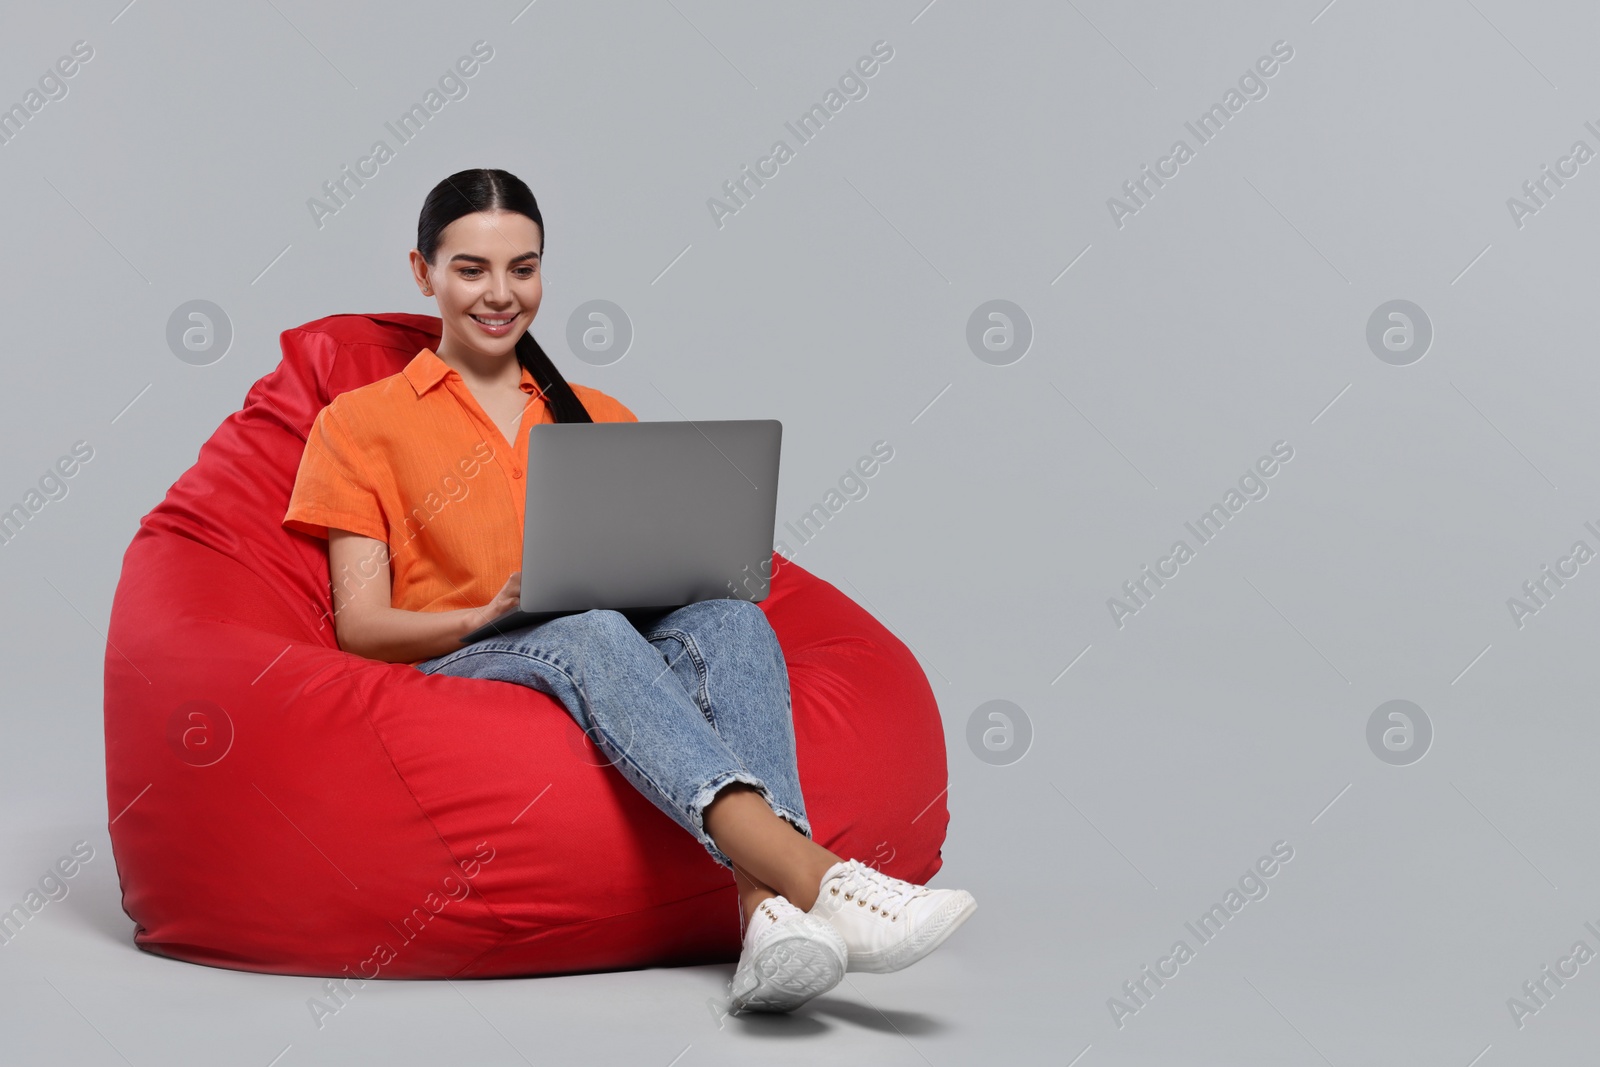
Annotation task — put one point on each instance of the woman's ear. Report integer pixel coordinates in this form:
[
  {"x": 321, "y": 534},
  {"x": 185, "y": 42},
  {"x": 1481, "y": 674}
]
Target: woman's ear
[{"x": 419, "y": 270}]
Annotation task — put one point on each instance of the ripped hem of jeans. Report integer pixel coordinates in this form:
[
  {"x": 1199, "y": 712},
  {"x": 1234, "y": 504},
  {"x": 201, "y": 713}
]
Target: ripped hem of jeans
[{"x": 706, "y": 793}]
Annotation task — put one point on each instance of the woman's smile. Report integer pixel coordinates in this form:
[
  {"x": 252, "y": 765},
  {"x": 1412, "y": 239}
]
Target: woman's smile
[{"x": 494, "y": 325}]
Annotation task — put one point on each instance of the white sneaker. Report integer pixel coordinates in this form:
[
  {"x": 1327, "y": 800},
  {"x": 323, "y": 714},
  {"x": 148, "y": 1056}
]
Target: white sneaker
[
  {"x": 887, "y": 923},
  {"x": 789, "y": 957}
]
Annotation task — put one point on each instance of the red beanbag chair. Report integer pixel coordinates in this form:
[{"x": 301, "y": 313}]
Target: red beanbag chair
[{"x": 279, "y": 805}]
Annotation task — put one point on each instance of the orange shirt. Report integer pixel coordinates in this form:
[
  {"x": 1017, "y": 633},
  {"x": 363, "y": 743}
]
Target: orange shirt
[{"x": 413, "y": 461}]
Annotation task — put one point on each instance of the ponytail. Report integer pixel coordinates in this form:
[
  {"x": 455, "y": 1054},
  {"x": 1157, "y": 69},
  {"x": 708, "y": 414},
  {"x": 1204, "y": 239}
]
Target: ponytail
[{"x": 563, "y": 402}]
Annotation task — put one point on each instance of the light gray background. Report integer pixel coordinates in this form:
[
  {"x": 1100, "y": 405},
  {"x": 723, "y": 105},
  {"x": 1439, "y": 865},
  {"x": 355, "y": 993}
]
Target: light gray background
[{"x": 1227, "y": 315}]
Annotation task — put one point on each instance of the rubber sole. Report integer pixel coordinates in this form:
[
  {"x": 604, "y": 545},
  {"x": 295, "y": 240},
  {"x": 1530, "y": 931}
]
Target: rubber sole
[
  {"x": 785, "y": 974},
  {"x": 940, "y": 925}
]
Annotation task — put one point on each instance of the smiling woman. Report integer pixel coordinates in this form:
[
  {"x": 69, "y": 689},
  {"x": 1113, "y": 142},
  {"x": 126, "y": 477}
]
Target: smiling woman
[
  {"x": 690, "y": 704},
  {"x": 377, "y": 453}
]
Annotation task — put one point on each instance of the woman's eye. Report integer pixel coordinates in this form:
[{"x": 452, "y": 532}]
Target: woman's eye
[{"x": 522, "y": 272}]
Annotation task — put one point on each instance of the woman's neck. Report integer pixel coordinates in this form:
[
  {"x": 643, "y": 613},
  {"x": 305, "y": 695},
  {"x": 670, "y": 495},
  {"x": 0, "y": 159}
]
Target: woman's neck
[{"x": 480, "y": 370}]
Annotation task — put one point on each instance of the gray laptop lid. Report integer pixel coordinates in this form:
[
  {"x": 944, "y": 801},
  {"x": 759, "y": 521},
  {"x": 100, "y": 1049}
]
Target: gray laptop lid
[{"x": 644, "y": 515}]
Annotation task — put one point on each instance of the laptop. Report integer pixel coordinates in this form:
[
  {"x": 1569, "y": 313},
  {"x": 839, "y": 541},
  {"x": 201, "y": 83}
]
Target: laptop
[{"x": 644, "y": 517}]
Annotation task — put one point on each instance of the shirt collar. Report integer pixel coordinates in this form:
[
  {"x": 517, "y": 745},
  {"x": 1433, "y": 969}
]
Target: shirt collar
[{"x": 427, "y": 370}]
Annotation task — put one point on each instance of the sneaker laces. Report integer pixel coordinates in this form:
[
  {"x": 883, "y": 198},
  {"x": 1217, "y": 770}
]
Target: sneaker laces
[{"x": 869, "y": 887}]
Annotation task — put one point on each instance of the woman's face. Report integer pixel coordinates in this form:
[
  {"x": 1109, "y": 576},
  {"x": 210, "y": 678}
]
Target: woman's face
[{"x": 486, "y": 272}]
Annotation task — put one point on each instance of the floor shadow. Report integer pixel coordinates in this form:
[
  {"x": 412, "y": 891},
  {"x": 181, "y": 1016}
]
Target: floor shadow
[{"x": 864, "y": 1015}]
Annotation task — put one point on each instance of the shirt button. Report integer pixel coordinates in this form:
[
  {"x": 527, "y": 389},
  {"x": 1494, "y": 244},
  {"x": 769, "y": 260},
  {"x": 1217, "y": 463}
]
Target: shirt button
[{"x": 516, "y": 472}]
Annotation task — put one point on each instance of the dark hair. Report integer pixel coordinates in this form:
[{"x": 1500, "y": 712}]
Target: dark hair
[{"x": 463, "y": 193}]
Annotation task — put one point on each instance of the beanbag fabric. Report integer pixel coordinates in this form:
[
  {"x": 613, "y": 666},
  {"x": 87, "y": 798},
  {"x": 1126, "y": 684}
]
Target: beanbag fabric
[{"x": 279, "y": 805}]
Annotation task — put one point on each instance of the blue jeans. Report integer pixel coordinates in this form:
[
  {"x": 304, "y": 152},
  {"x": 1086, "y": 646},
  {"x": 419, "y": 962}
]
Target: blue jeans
[{"x": 682, "y": 703}]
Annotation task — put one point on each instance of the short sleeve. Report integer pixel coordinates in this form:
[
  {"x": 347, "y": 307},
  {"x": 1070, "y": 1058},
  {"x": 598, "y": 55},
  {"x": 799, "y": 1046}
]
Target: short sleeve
[{"x": 332, "y": 488}]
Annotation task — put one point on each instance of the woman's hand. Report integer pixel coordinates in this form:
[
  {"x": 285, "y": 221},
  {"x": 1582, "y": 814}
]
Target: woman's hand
[
  {"x": 365, "y": 623},
  {"x": 508, "y": 599}
]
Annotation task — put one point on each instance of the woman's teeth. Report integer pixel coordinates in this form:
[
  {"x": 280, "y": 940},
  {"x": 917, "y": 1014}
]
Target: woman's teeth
[{"x": 494, "y": 322}]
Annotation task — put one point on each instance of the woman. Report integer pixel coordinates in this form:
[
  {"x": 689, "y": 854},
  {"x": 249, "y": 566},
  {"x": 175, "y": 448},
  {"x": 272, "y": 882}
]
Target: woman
[{"x": 692, "y": 705}]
